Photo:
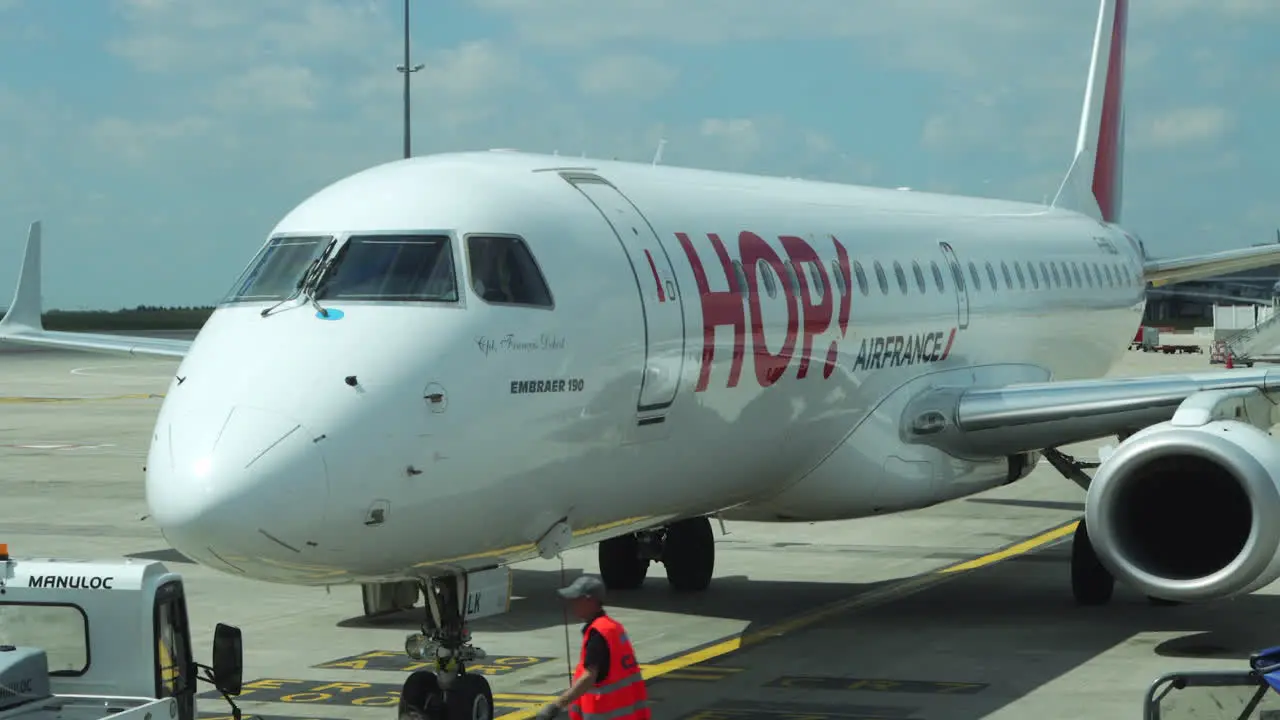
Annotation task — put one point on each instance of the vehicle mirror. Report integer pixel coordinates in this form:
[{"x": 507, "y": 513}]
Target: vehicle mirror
[{"x": 228, "y": 659}]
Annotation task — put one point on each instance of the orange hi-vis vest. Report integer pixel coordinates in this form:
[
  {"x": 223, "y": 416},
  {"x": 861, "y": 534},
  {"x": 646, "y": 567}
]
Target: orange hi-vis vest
[{"x": 623, "y": 695}]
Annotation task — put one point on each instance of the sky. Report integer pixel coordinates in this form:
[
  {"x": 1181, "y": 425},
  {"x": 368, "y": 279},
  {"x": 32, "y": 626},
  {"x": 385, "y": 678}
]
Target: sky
[{"x": 159, "y": 141}]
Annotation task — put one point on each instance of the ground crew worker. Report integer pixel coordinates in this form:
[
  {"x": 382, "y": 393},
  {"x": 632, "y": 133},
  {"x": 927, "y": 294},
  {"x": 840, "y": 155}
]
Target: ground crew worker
[{"x": 607, "y": 684}]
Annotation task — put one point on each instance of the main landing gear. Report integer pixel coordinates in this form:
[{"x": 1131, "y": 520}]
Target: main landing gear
[
  {"x": 447, "y": 692},
  {"x": 1091, "y": 582},
  {"x": 686, "y": 547}
]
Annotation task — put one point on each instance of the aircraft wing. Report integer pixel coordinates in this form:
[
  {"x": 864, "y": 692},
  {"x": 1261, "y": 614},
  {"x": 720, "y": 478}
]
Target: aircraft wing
[
  {"x": 990, "y": 422},
  {"x": 22, "y": 324},
  {"x": 1194, "y": 267}
]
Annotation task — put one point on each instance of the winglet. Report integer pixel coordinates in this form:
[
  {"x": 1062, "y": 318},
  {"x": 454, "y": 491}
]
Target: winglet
[{"x": 27, "y": 307}]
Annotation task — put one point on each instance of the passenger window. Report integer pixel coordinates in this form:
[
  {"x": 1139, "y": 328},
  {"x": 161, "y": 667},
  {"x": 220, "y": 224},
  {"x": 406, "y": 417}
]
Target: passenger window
[
  {"x": 973, "y": 275},
  {"x": 1008, "y": 281},
  {"x": 1035, "y": 280},
  {"x": 1044, "y": 274},
  {"x": 1066, "y": 275},
  {"x": 862, "y": 277},
  {"x": 741, "y": 276},
  {"x": 391, "y": 268},
  {"x": 991, "y": 277},
  {"x": 1075, "y": 273},
  {"x": 915, "y": 269},
  {"x": 791, "y": 280},
  {"x": 937, "y": 277},
  {"x": 504, "y": 272},
  {"x": 881, "y": 278},
  {"x": 838, "y": 275},
  {"x": 1057, "y": 280},
  {"x": 1022, "y": 282},
  {"x": 765, "y": 273},
  {"x": 1097, "y": 274},
  {"x": 901, "y": 276},
  {"x": 274, "y": 272},
  {"x": 1111, "y": 281},
  {"x": 815, "y": 275}
]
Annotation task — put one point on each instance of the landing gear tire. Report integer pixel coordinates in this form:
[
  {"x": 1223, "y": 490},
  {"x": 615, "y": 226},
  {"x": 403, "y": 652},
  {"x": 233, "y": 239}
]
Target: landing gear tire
[
  {"x": 1091, "y": 583},
  {"x": 689, "y": 554},
  {"x": 469, "y": 699},
  {"x": 420, "y": 697},
  {"x": 621, "y": 565}
]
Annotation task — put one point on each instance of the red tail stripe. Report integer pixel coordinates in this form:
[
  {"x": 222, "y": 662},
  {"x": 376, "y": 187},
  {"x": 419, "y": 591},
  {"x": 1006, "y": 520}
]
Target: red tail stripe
[{"x": 1105, "y": 172}]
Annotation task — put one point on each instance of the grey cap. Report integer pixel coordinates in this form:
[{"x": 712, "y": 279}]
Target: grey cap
[{"x": 585, "y": 586}]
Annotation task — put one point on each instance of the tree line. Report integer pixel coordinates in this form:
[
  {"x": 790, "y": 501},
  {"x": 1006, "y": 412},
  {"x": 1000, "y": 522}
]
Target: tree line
[{"x": 142, "y": 317}]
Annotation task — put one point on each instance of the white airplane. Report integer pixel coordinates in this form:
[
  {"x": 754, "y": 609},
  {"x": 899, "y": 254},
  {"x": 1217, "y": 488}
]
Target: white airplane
[{"x": 444, "y": 365}]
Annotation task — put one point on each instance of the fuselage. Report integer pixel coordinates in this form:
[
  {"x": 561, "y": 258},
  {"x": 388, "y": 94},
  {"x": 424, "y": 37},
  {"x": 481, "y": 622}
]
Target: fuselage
[{"x": 618, "y": 354}]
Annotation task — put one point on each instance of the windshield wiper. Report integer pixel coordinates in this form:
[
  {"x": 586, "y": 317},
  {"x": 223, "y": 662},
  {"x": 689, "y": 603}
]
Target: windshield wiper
[
  {"x": 324, "y": 275},
  {"x": 307, "y": 277}
]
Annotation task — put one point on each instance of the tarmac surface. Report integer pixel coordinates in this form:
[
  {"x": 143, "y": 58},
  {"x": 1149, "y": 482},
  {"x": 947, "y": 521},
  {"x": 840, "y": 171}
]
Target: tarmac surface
[{"x": 956, "y": 612}]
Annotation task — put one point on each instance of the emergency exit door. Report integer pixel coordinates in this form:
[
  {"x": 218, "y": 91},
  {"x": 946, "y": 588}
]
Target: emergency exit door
[
  {"x": 962, "y": 288},
  {"x": 659, "y": 298}
]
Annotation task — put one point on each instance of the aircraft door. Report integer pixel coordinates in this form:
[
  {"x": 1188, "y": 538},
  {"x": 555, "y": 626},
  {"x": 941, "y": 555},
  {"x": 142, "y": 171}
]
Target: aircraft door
[
  {"x": 655, "y": 279},
  {"x": 957, "y": 279}
]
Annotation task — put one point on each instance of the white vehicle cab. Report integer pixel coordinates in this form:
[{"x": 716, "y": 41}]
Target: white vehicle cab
[{"x": 87, "y": 639}]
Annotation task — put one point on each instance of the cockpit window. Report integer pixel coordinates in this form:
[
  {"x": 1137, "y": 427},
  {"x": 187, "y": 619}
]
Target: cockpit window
[
  {"x": 503, "y": 271},
  {"x": 275, "y": 272},
  {"x": 393, "y": 268}
]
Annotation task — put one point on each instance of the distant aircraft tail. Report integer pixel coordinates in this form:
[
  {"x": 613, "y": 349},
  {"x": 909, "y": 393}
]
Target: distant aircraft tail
[
  {"x": 27, "y": 307},
  {"x": 23, "y": 322},
  {"x": 1094, "y": 182}
]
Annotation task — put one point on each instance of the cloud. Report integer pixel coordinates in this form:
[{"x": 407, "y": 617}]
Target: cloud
[
  {"x": 227, "y": 113},
  {"x": 631, "y": 76},
  {"x": 138, "y": 141},
  {"x": 1231, "y": 9},
  {"x": 1183, "y": 126},
  {"x": 739, "y": 137}
]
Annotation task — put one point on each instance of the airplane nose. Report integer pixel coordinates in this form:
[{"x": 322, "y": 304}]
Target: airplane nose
[{"x": 236, "y": 482}]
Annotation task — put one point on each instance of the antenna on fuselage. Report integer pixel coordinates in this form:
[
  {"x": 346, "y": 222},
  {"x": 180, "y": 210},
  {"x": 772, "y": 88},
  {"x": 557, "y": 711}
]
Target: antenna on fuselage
[{"x": 657, "y": 157}]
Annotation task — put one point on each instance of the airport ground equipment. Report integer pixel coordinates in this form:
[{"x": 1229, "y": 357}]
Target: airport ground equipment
[
  {"x": 1252, "y": 694},
  {"x": 1149, "y": 339},
  {"x": 1255, "y": 344},
  {"x": 92, "y": 639}
]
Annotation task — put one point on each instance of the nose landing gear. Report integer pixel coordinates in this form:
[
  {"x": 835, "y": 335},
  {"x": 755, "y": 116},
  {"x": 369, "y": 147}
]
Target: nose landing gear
[{"x": 448, "y": 692}]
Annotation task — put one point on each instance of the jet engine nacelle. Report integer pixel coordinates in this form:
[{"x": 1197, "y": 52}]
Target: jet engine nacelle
[{"x": 1189, "y": 513}]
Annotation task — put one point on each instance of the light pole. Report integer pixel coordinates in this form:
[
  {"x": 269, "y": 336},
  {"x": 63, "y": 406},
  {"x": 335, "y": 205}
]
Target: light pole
[{"x": 406, "y": 68}]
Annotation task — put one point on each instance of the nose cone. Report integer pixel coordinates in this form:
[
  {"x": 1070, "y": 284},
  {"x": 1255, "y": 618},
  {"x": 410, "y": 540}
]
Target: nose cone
[{"x": 237, "y": 486}]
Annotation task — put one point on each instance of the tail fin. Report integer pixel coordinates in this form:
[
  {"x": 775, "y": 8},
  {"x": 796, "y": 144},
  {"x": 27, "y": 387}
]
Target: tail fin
[
  {"x": 1094, "y": 182},
  {"x": 27, "y": 307}
]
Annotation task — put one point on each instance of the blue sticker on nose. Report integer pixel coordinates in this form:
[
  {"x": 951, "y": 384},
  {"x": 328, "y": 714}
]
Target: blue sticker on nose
[{"x": 330, "y": 314}]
